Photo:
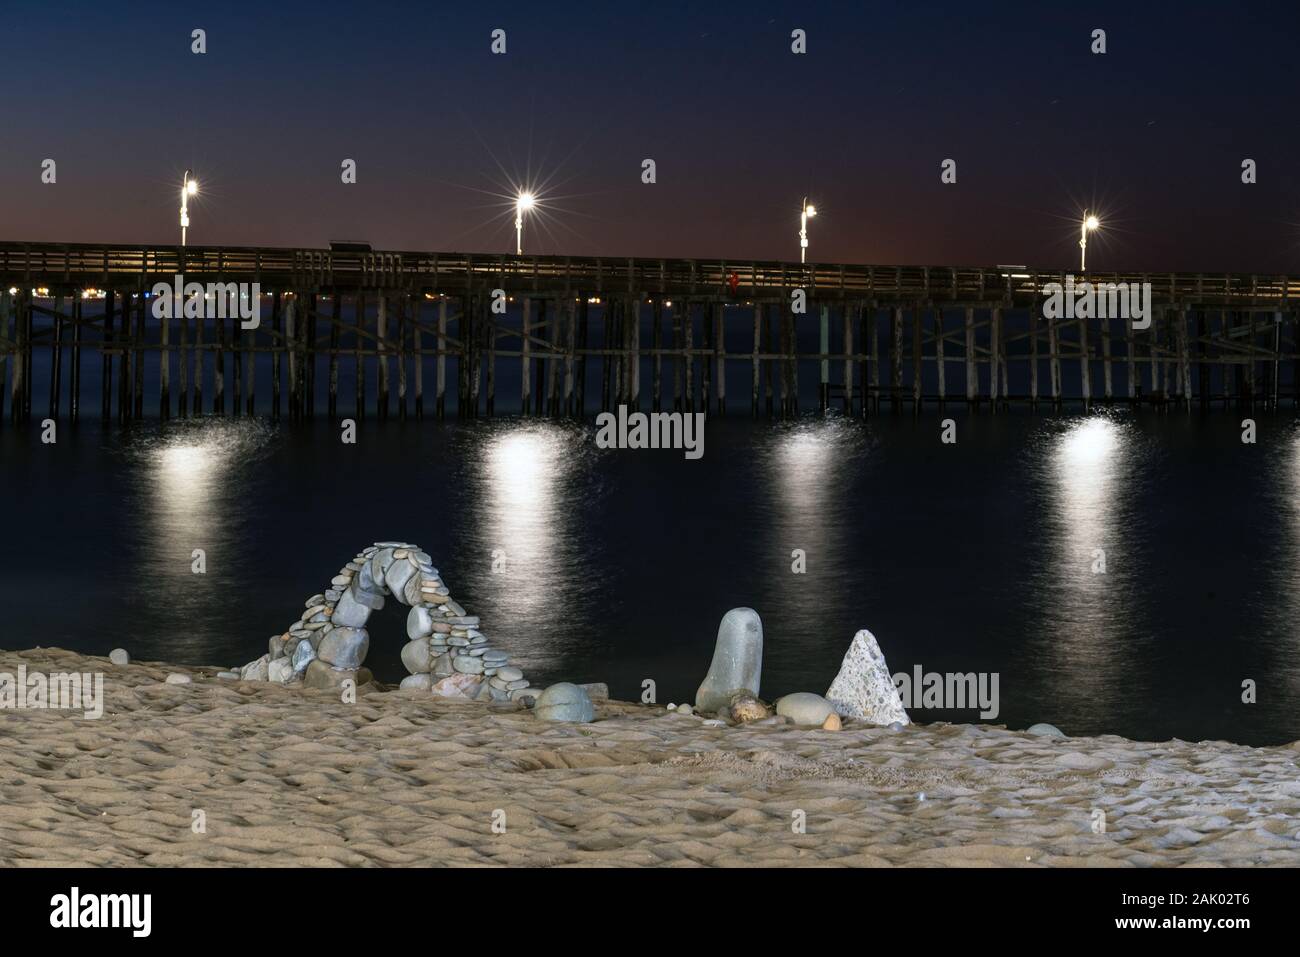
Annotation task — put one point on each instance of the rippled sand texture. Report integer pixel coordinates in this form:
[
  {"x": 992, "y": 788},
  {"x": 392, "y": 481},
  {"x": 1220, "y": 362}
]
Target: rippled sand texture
[{"x": 290, "y": 777}]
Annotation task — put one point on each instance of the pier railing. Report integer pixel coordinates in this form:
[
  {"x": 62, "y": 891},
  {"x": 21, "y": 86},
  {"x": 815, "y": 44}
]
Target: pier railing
[{"x": 50, "y": 265}]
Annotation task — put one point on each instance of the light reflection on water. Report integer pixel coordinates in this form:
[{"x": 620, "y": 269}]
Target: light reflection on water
[
  {"x": 1090, "y": 471},
  {"x": 530, "y": 485}
]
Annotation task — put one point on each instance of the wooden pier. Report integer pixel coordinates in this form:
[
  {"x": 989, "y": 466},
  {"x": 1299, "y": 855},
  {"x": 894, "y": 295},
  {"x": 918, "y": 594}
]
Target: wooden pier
[{"x": 672, "y": 333}]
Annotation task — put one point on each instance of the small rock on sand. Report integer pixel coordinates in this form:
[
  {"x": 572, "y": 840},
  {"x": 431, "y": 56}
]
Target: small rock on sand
[
  {"x": 805, "y": 708},
  {"x": 256, "y": 670},
  {"x": 564, "y": 702},
  {"x": 1045, "y": 730},
  {"x": 119, "y": 656},
  {"x": 745, "y": 707},
  {"x": 178, "y": 679},
  {"x": 832, "y": 722}
]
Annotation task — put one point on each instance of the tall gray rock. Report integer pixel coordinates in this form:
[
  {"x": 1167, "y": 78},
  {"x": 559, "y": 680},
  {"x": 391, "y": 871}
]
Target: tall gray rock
[
  {"x": 864, "y": 688},
  {"x": 737, "y": 660}
]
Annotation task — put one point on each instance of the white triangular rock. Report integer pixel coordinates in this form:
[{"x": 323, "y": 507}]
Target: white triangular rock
[{"x": 864, "y": 688}]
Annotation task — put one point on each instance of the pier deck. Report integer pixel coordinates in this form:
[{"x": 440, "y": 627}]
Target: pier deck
[{"x": 903, "y": 335}]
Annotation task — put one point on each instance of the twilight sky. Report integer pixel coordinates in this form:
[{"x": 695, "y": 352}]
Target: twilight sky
[{"x": 1152, "y": 134}]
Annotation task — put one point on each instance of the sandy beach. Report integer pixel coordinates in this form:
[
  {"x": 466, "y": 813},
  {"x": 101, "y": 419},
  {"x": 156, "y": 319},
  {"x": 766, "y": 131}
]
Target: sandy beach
[{"x": 285, "y": 776}]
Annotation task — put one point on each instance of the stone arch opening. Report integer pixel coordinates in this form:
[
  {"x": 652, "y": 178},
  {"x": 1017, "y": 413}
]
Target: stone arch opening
[{"x": 446, "y": 652}]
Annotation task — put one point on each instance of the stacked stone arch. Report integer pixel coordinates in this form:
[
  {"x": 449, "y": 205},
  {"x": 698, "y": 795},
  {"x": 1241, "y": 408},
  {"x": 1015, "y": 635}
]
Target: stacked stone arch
[{"x": 446, "y": 653}]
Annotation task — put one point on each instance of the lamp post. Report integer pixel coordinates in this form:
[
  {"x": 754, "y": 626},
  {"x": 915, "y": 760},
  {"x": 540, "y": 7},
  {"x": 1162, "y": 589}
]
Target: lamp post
[
  {"x": 1090, "y": 222},
  {"x": 189, "y": 187},
  {"x": 806, "y": 212},
  {"x": 522, "y": 205}
]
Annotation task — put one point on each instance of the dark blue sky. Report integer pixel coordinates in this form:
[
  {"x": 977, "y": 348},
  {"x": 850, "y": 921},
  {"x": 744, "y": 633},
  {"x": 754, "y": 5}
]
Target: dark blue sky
[{"x": 1152, "y": 133}]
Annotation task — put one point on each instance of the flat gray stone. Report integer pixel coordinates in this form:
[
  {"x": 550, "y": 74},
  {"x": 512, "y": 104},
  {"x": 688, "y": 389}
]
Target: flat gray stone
[
  {"x": 737, "y": 660},
  {"x": 397, "y": 575},
  {"x": 371, "y": 599},
  {"x": 419, "y": 682},
  {"x": 564, "y": 702},
  {"x": 350, "y": 612},
  {"x": 419, "y": 623},
  {"x": 280, "y": 670},
  {"x": 321, "y": 675},
  {"x": 411, "y": 593},
  {"x": 303, "y": 655},
  {"x": 366, "y": 581},
  {"x": 417, "y": 657},
  {"x": 255, "y": 670},
  {"x": 344, "y": 648},
  {"x": 509, "y": 673},
  {"x": 178, "y": 679},
  {"x": 379, "y": 563},
  {"x": 467, "y": 665}
]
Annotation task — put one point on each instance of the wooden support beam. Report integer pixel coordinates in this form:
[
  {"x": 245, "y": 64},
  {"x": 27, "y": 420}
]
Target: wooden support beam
[
  {"x": 106, "y": 373},
  {"x": 917, "y": 347},
  {"x": 972, "y": 370},
  {"x": 1054, "y": 359},
  {"x": 277, "y": 310},
  {"x": 440, "y": 367},
  {"x": 995, "y": 352},
  {"x": 359, "y": 361},
  {"x": 1108, "y": 392},
  {"x": 584, "y": 332},
  {"x": 219, "y": 369},
  {"x": 1085, "y": 365},
  {"x": 1184, "y": 366},
  {"x": 526, "y": 365},
  {"x": 570, "y": 346},
  {"x": 7, "y": 362},
  {"x": 896, "y": 360},
  {"x": 720, "y": 357},
  {"x": 74, "y": 393},
  {"x": 381, "y": 327},
  {"x": 938, "y": 355},
  {"x": 656, "y": 344},
  {"x": 1033, "y": 356},
  {"x": 56, "y": 359},
  {"x": 846, "y": 319},
  {"x": 707, "y": 320}
]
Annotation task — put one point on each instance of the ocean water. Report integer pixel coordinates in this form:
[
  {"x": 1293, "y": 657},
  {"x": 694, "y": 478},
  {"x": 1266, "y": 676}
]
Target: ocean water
[{"x": 616, "y": 565}]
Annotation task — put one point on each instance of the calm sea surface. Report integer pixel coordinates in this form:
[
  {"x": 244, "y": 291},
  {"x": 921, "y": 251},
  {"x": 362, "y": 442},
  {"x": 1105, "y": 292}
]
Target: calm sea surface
[{"x": 618, "y": 564}]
